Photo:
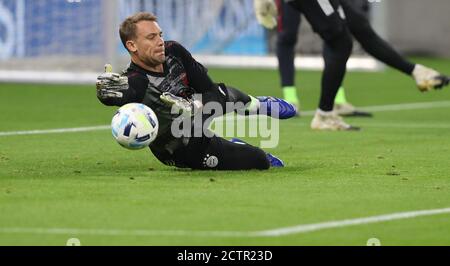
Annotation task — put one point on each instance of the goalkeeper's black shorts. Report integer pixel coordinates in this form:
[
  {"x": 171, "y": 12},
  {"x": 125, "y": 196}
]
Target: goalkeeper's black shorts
[{"x": 216, "y": 153}]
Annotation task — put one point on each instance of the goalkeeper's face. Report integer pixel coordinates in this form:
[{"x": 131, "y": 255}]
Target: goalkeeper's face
[{"x": 149, "y": 44}]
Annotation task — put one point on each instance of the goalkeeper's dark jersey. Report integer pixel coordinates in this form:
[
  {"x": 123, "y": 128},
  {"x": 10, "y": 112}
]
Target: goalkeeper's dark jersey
[{"x": 182, "y": 76}]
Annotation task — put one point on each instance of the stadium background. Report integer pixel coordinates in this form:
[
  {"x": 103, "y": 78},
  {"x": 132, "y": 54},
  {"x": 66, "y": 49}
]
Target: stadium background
[{"x": 80, "y": 35}]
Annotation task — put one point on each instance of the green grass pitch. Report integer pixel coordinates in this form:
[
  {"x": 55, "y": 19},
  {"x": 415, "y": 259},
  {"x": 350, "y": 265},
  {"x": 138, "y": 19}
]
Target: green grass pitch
[{"x": 105, "y": 194}]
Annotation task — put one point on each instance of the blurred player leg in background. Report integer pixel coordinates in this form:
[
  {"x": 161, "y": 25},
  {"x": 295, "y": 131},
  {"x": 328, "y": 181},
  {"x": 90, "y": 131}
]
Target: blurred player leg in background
[
  {"x": 328, "y": 19},
  {"x": 360, "y": 27},
  {"x": 287, "y": 32},
  {"x": 289, "y": 20},
  {"x": 329, "y": 23}
]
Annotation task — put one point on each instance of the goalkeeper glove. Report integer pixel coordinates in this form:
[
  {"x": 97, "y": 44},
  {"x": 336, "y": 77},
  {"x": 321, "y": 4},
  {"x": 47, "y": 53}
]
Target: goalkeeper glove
[
  {"x": 266, "y": 13},
  {"x": 428, "y": 79},
  {"x": 182, "y": 106},
  {"x": 111, "y": 85}
]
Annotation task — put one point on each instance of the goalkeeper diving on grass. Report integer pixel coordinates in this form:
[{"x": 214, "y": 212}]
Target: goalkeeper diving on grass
[{"x": 163, "y": 75}]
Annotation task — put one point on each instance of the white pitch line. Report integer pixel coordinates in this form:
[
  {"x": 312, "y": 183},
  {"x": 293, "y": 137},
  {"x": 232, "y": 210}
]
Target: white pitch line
[
  {"x": 380, "y": 108},
  {"x": 298, "y": 229},
  {"x": 350, "y": 222},
  {"x": 405, "y": 125},
  {"x": 407, "y": 106},
  {"x": 53, "y": 131},
  {"x": 377, "y": 108},
  {"x": 395, "y": 107}
]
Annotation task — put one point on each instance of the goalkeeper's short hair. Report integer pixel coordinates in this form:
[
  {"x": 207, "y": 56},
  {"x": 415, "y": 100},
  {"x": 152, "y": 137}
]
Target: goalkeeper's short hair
[{"x": 127, "y": 29}]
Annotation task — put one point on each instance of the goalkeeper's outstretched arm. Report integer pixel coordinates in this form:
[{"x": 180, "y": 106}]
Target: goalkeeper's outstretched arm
[{"x": 114, "y": 89}]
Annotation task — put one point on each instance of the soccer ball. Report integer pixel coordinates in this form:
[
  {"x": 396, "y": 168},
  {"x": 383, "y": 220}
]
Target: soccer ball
[{"x": 134, "y": 126}]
